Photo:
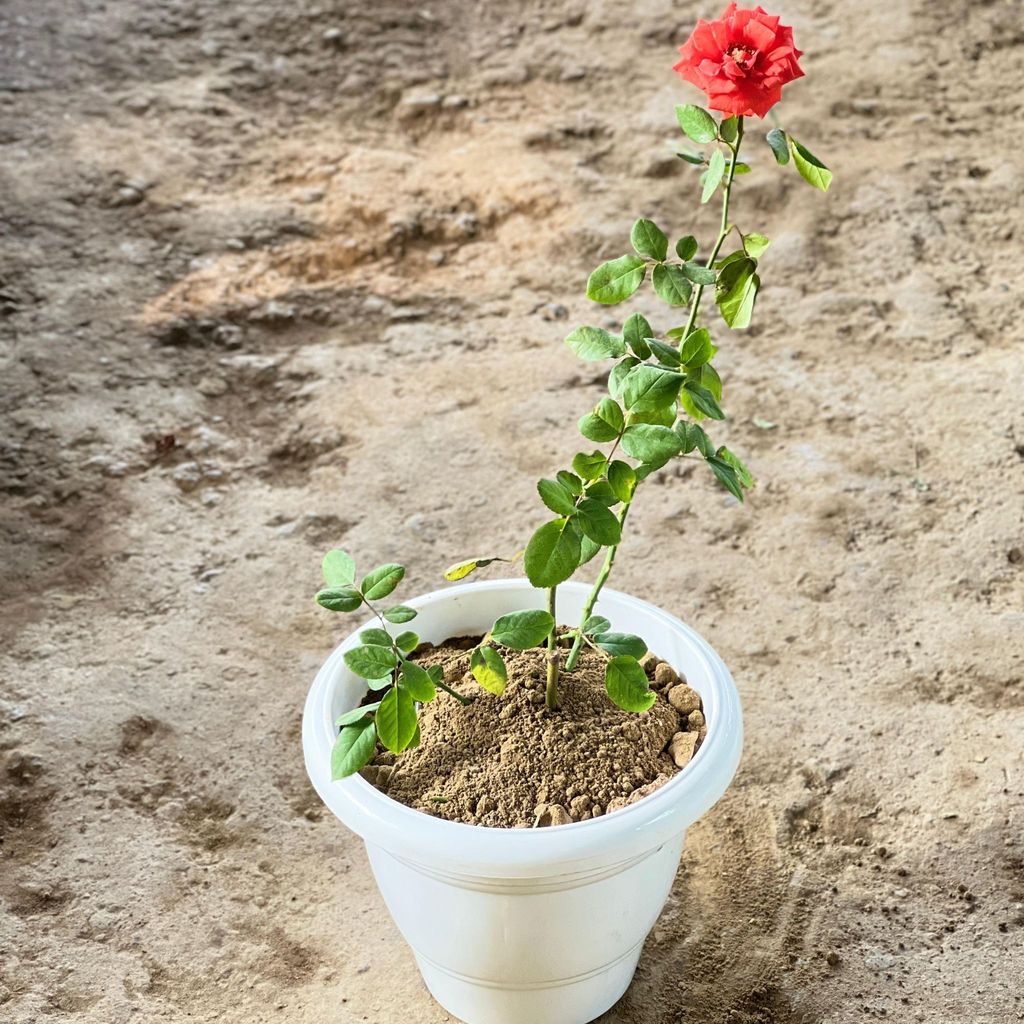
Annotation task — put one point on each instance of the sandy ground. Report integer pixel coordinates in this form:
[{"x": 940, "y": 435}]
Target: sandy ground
[{"x": 263, "y": 263}]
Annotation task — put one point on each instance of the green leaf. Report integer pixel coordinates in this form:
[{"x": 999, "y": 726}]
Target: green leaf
[
  {"x": 616, "y": 280},
  {"x": 353, "y": 748},
  {"x": 396, "y": 719},
  {"x": 626, "y": 684},
  {"x": 690, "y": 158},
  {"x": 609, "y": 411},
  {"x": 621, "y": 643},
  {"x": 381, "y": 581},
  {"x": 603, "y": 492},
  {"x": 740, "y": 168},
  {"x": 779, "y": 144},
  {"x": 697, "y": 123},
  {"x": 636, "y": 330},
  {"x": 649, "y": 240},
  {"x": 703, "y": 400},
  {"x": 605, "y": 423},
  {"x": 600, "y": 490},
  {"x": 355, "y": 714},
  {"x": 338, "y": 599},
  {"x": 557, "y": 497},
  {"x": 592, "y": 343},
  {"x": 726, "y": 476},
  {"x": 686, "y": 247},
  {"x": 744, "y": 475},
  {"x": 665, "y": 354},
  {"x": 399, "y": 613},
  {"x": 698, "y": 274},
  {"x": 588, "y": 549},
  {"x": 729, "y": 129},
  {"x": 553, "y": 554},
  {"x": 488, "y": 668},
  {"x": 570, "y": 481},
  {"x": 697, "y": 349},
  {"x": 650, "y": 387},
  {"x": 712, "y": 177},
  {"x": 618, "y": 375},
  {"x": 733, "y": 257},
  {"x": 694, "y": 436},
  {"x": 523, "y": 630},
  {"x": 651, "y": 443},
  {"x": 338, "y": 568},
  {"x": 417, "y": 682},
  {"x": 407, "y": 642},
  {"x": 671, "y": 285},
  {"x": 598, "y": 523},
  {"x": 690, "y": 407},
  {"x": 621, "y": 479},
  {"x": 371, "y": 661},
  {"x": 591, "y": 466},
  {"x": 707, "y": 377},
  {"x": 811, "y": 169},
  {"x": 755, "y": 245},
  {"x": 379, "y": 684},
  {"x": 736, "y": 292},
  {"x": 375, "y": 636},
  {"x": 663, "y": 417},
  {"x": 596, "y": 624}
]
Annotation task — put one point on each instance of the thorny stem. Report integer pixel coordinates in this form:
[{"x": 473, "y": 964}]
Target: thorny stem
[
  {"x": 551, "y": 695},
  {"x": 723, "y": 232}
]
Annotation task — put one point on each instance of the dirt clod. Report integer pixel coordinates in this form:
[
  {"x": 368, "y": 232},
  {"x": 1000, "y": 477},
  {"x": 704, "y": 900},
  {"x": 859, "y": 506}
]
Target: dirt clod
[
  {"x": 684, "y": 699},
  {"x": 682, "y": 748},
  {"x": 665, "y": 675},
  {"x": 551, "y": 814}
]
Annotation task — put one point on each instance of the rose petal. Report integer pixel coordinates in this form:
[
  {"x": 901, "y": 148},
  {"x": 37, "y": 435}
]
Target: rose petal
[{"x": 752, "y": 85}]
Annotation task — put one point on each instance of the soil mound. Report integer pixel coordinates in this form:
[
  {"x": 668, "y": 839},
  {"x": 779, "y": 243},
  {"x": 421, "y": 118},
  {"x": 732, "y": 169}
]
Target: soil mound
[{"x": 510, "y": 762}]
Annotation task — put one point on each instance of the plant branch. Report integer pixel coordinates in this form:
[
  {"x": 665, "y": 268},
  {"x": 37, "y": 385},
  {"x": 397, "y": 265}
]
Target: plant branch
[{"x": 723, "y": 230}]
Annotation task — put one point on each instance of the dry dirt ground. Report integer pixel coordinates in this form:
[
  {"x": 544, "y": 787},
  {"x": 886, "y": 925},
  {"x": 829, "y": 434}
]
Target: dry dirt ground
[{"x": 282, "y": 275}]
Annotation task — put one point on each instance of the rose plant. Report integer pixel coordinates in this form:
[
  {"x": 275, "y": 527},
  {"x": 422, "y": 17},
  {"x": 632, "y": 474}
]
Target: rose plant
[{"x": 663, "y": 395}]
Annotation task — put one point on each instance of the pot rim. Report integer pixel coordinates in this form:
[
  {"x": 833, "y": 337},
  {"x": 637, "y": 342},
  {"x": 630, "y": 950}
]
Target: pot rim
[{"x": 489, "y": 851}]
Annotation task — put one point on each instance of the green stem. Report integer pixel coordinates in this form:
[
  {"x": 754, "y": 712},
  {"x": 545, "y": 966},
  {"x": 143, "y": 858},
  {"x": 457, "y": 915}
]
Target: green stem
[
  {"x": 602, "y": 578},
  {"x": 551, "y": 696},
  {"x": 723, "y": 230},
  {"x": 464, "y": 701}
]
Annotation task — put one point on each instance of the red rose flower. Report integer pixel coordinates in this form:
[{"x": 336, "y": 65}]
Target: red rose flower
[{"x": 741, "y": 61}]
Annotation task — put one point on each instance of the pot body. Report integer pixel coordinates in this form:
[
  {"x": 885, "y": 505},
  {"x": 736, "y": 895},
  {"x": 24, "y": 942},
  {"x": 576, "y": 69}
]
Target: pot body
[{"x": 529, "y": 926}]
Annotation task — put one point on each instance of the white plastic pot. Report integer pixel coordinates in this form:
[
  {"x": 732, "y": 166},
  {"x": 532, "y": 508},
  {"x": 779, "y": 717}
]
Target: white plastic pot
[{"x": 529, "y": 926}]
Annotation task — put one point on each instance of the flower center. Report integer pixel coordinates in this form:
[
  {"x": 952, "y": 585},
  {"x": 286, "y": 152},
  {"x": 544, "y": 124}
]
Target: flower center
[{"x": 743, "y": 55}]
